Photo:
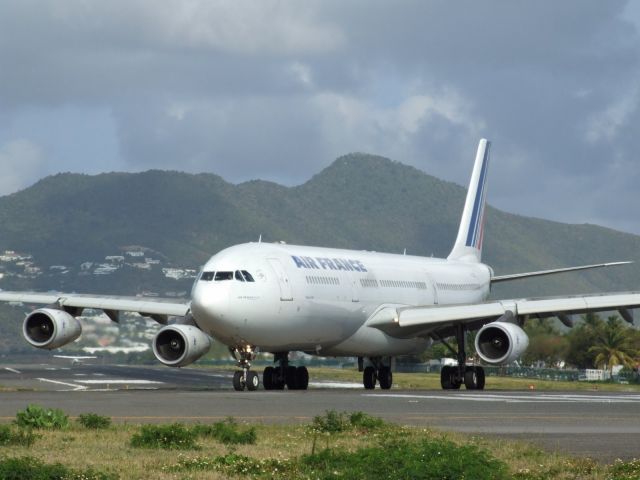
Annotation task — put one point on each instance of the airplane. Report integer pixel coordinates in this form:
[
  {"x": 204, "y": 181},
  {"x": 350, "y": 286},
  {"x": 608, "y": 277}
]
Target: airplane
[{"x": 279, "y": 298}]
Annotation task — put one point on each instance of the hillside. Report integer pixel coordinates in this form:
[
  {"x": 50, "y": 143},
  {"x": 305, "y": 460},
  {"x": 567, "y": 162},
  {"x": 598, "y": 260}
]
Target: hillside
[{"x": 360, "y": 201}]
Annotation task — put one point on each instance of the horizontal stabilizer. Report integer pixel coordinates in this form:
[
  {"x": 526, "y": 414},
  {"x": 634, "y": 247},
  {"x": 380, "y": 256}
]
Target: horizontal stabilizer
[{"x": 517, "y": 276}]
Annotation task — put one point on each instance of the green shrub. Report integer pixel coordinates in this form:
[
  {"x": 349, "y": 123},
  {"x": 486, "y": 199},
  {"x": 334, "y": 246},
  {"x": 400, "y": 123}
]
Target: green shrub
[
  {"x": 35, "y": 416},
  {"x": 337, "y": 422},
  {"x": 331, "y": 422},
  {"x": 172, "y": 437},
  {"x": 624, "y": 470},
  {"x": 234, "y": 464},
  {"x": 425, "y": 459},
  {"x": 12, "y": 436},
  {"x": 30, "y": 468},
  {"x": 397, "y": 459},
  {"x": 365, "y": 421},
  {"x": 227, "y": 432},
  {"x": 94, "y": 421}
]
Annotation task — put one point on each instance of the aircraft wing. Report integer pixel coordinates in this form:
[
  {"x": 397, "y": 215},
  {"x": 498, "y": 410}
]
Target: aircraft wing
[
  {"x": 157, "y": 308},
  {"x": 425, "y": 319}
]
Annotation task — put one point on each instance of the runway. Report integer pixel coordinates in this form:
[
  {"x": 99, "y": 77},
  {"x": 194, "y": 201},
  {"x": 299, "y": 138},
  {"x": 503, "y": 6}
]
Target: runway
[{"x": 601, "y": 425}]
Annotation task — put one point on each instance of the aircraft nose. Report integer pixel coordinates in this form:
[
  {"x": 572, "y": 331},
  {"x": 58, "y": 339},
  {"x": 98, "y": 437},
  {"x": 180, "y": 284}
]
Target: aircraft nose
[{"x": 210, "y": 303}]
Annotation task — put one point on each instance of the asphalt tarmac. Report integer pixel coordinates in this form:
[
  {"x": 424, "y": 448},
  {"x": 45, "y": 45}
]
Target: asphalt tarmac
[{"x": 600, "y": 425}]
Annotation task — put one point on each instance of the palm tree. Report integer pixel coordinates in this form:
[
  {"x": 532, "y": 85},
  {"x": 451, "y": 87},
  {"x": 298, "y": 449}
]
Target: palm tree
[{"x": 612, "y": 346}]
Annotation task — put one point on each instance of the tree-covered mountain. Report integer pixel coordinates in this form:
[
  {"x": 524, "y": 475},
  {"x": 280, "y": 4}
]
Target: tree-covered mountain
[{"x": 360, "y": 202}]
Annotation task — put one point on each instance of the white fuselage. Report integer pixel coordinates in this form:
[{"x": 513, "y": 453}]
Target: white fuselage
[{"x": 320, "y": 299}]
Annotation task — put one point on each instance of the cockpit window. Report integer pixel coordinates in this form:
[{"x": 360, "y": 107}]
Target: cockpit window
[
  {"x": 220, "y": 276},
  {"x": 207, "y": 276},
  {"x": 247, "y": 276},
  {"x": 239, "y": 276}
]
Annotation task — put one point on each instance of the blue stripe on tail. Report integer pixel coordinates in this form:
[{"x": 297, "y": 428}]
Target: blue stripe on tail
[{"x": 473, "y": 236}]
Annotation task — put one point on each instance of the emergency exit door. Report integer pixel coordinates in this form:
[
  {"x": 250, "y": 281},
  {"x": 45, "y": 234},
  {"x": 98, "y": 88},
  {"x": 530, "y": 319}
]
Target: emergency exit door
[{"x": 286, "y": 295}]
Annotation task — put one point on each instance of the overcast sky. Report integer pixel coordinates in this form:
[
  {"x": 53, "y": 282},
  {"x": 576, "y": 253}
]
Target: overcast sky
[{"x": 278, "y": 89}]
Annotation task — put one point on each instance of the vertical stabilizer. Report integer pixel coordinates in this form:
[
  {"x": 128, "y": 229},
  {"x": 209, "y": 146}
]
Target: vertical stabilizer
[{"x": 468, "y": 246}]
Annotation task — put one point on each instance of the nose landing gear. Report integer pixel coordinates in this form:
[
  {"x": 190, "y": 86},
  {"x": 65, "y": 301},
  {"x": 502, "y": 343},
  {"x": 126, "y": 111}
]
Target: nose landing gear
[{"x": 244, "y": 378}]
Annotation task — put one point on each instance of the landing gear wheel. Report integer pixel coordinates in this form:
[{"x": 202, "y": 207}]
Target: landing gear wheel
[
  {"x": 244, "y": 378},
  {"x": 278, "y": 382},
  {"x": 445, "y": 377},
  {"x": 302, "y": 378},
  {"x": 267, "y": 378},
  {"x": 471, "y": 378},
  {"x": 385, "y": 377},
  {"x": 449, "y": 379},
  {"x": 238, "y": 381},
  {"x": 369, "y": 378},
  {"x": 290, "y": 378},
  {"x": 253, "y": 381},
  {"x": 481, "y": 377}
]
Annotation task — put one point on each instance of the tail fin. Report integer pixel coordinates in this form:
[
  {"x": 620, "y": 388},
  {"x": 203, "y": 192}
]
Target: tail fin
[{"x": 468, "y": 246}]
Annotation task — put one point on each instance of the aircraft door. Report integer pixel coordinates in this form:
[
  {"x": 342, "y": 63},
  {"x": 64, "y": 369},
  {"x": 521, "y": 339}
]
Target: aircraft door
[
  {"x": 286, "y": 294},
  {"x": 354, "y": 286},
  {"x": 431, "y": 288}
]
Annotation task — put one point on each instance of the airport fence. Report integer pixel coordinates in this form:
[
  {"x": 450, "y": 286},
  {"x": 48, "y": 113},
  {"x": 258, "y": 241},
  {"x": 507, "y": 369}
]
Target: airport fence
[{"x": 552, "y": 374}]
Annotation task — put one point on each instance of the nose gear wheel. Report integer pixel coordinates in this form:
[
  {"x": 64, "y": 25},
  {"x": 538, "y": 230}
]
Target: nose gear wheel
[{"x": 245, "y": 378}]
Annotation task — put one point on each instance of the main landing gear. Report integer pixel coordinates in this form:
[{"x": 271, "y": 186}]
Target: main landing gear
[
  {"x": 452, "y": 377},
  {"x": 275, "y": 378},
  {"x": 244, "y": 378},
  {"x": 376, "y": 372}
]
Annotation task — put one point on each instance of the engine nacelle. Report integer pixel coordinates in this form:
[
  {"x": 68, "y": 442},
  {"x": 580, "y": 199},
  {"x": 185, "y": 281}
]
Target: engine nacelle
[
  {"x": 501, "y": 342},
  {"x": 50, "y": 328},
  {"x": 180, "y": 345}
]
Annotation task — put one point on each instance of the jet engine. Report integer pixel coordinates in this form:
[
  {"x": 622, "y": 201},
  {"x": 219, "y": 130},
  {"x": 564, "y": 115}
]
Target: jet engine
[
  {"x": 500, "y": 343},
  {"x": 50, "y": 328},
  {"x": 180, "y": 345}
]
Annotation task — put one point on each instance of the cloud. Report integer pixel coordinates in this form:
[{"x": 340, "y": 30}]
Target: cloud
[
  {"x": 21, "y": 161},
  {"x": 100, "y": 52},
  {"x": 277, "y": 89},
  {"x": 605, "y": 125}
]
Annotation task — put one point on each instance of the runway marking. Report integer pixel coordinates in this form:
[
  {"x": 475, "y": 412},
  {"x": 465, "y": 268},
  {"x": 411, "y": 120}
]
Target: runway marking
[
  {"x": 500, "y": 416},
  {"x": 57, "y": 382},
  {"x": 117, "y": 389},
  {"x": 334, "y": 385},
  {"x": 118, "y": 382},
  {"x": 12, "y": 370},
  {"x": 198, "y": 417},
  {"x": 514, "y": 398},
  {"x": 207, "y": 417}
]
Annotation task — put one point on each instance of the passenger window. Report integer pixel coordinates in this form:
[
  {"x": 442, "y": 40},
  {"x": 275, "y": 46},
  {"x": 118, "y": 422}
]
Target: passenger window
[
  {"x": 207, "y": 276},
  {"x": 239, "y": 276},
  {"x": 221, "y": 276},
  {"x": 247, "y": 276}
]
